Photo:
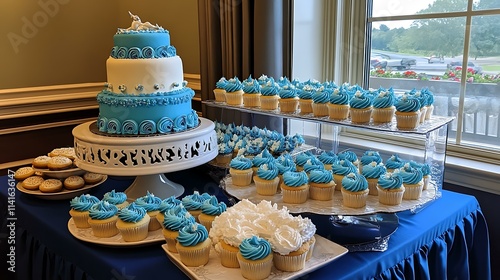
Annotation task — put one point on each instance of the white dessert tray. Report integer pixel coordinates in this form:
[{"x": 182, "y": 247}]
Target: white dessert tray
[
  {"x": 85, "y": 234},
  {"x": 61, "y": 174},
  {"x": 325, "y": 251},
  {"x": 62, "y": 195},
  {"x": 331, "y": 207}
]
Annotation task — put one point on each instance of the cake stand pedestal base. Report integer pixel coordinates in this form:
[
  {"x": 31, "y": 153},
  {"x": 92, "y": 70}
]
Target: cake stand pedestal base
[{"x": 157, "y": 184}]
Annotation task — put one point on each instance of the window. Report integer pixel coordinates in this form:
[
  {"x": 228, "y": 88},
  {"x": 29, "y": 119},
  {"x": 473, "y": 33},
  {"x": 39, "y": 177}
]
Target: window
[
  {"x": 411, "y": 44},
  {"x": 441, "y": 36}
]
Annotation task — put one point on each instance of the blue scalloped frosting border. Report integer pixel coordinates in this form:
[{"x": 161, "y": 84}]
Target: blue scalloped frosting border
[
  {"x": 175, "y": 97},
  {"x": 145, "y": 52},
  {"x": 145, "y": 127}
]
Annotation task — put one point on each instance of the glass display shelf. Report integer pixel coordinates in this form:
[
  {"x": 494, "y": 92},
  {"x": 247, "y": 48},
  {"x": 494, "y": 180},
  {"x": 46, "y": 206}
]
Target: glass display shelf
[{"x": 434, "y": 123}]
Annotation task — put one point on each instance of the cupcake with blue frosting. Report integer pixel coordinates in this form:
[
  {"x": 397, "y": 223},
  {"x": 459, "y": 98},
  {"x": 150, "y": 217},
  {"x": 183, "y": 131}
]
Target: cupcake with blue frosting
[
  {"x": 313, "y": 164},
  {"x": 321, "y": 98},
  {"x": 241, "y": 171},
  {"x": 193, "y": 245},
  {"x": 251, "y": 92},
  {"x": 369, "y": 157},
  {"x": 321, "y": 184},
  {"x": 328, "y": 158},
  {"x": 289, "y": 99},
  {"x": 354, "y": 190},
  {"x": 360, "y": 107},
  {"x": 302, "y": 159},
  {"x": 305, "y": 99},
  {"x": 175, "y": 219},
  {"x": 133, "y": 223},
  {"x": 270, "y": 95},
  {"x": 119, "y": 199},
  {"x": 350, "y": 156},
  {"x": 383, "y": 106},
  {"x": 394, "y": 162},
  {"x": 220, "y": 91},
  {"x": 234, "y": 92},
  {"x": 165, "y": 205},
  {"x": 151, "y": 204},
  {"x": 340, "y": 169},
  {"x": 80, "y": 206},
  {"x": 390, "y": 188},
  {"x": 295, "y": 187},
  {"x": 102, "y": 219},
  {"x": 194, "y": 202},
  {"x": 255, "y": 258},
  {"x": 210, "y": 209},
  {"x": 338, "y": 107},
  {"x": 266, "y": 179},
  {"x": 372, "y": 173},
  {"x": 412, "y": 181},
  {"x": 407, "y": 112}
]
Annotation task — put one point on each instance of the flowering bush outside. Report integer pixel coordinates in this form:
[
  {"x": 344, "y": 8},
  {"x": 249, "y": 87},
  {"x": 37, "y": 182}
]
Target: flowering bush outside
[{"x": 450, "y": 75}]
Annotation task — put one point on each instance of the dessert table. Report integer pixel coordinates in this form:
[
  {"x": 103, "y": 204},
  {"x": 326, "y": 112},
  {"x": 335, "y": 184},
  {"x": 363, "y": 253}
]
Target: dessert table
[{"x": 448, "y": 239}]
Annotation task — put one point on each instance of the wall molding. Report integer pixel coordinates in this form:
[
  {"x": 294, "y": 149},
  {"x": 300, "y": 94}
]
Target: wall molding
[{"x": 43, "y": 100}]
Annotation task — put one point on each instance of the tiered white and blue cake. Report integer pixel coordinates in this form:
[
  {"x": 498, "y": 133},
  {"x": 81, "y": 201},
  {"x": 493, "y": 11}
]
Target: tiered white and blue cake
[{"x": 145, "y": 91}]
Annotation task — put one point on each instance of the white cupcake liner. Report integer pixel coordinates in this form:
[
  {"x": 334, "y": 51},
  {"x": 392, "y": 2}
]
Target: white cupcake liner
[
  {"x": 104, "y": 229},
  {"x": 288, "y": 105},
  {"x": 413, "y": 191},
  {"x": 289, "y": 263},
  {"x": 234, "y": 98},
  {"x": 320, "y": 109},
  {"x": 255, "y": 270},
  {"x": 354, "y": 199},
  {"x": 251, "y": 100},
  {"x": 194, "y": 257},
  {"x": 389, "y": 197},
  {"x": 266, "y": 187},
  {"x": 295, "y": 196},
  {"x": 269, "y": 102},
  {"x": 81, "y": 219},
  {"x": 338, "y": 112},
  {"x": 220, "y": 95},
  {"x": 321, "y": 193}
]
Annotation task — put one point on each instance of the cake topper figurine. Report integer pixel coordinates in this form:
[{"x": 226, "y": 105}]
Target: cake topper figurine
[{"x": 138, "y": 25}]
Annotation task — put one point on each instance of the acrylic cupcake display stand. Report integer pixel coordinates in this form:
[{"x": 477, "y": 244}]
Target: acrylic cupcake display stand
[{"x": 432, "y": 134}]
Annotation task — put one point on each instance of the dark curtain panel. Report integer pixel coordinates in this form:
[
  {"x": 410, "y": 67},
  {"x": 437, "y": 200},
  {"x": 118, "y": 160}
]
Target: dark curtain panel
[{"x": 241, "y": 38}]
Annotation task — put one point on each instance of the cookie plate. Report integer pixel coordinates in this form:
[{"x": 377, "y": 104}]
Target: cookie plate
[
  {"x": 62, "y": 195},
  {"x": 61, "y": 174},
  {"x": 325, "y": 251}
]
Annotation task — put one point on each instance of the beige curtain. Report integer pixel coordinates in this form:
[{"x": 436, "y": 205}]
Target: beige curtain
[{"x": 243, "y": 37}]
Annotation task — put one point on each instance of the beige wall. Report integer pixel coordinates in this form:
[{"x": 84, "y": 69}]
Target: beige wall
[{"x": 53, "y": 42}]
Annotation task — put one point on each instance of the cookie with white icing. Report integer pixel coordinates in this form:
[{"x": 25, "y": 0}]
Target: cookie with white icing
[
  {"x": 59, "y": 163},
  {"x": 51, "y": 186},
  {"x": 41, "y": 162},
  {"x": 23, "y": 173},
  {"x": 74, "y": 182},
  {"x": 32, "y": 183},
  {"x": 92, "y": 178},
  {"x": 68, "y": 152}
]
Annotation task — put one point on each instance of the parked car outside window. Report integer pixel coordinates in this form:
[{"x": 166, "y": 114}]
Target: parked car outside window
[{"x": 455, "y": 65}]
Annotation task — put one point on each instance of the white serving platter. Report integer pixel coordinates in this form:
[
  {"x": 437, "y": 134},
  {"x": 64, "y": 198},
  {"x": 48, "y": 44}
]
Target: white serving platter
[{"x": 325, "y": 251}]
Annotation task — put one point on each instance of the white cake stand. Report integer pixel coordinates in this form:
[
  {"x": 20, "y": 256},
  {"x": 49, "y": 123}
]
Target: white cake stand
[{"x": 147, "y": 157}]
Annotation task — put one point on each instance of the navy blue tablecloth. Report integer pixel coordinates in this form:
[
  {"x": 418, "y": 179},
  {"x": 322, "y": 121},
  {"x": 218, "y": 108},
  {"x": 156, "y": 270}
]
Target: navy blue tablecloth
[{"x": 448, "y": 239}]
